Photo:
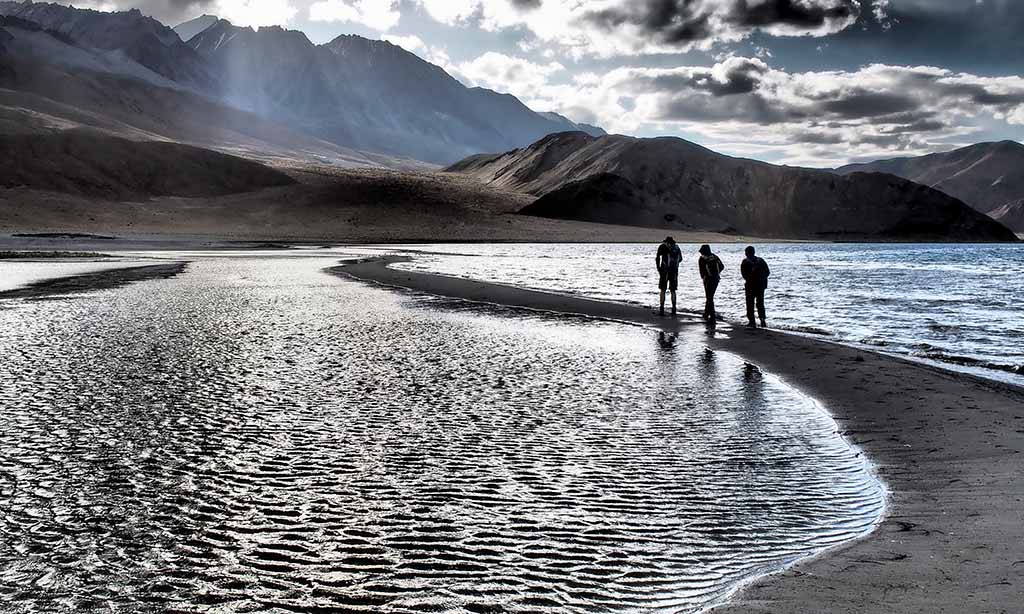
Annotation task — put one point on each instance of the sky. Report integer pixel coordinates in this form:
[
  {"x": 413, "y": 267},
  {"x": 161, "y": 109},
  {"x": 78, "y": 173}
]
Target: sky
[{"x": 801, "y": 82}]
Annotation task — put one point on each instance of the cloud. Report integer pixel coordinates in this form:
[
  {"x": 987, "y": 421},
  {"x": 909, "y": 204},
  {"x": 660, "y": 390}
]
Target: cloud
[
  {"x": 685, "y": 22},
  {"x": 628, "y": 27},
  {"x": 172, "y": 12},
  {"x": 742, "y": 104},
  {"x": 380, "y": 15},
  {"x": 507, "y": 74},
  {"x": 254, "y": 12},
  {"x": 411, "y": 42},
  {"x": 416, "y": 45}
]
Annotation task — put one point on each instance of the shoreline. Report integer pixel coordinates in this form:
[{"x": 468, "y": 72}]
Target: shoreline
[
  {"x": 947, "y": 446},
  {"x": 90, "y": 282}
]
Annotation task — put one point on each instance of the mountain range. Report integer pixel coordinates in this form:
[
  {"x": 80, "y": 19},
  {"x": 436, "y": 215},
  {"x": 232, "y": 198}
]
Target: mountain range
[
  {"x": 986, "y": 176},
  {"x": 673, "y": 183},
  {"x": 81, "y": 90},
  {"x": 356, "y": 94}
]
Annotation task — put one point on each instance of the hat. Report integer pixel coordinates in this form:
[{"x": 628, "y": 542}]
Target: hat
[{"x": 669, "y": 240}]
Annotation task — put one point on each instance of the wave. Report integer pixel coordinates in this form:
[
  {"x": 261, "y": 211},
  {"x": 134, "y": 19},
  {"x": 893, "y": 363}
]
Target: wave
[
  {"x": 807, "y": 330},
  {"x": 969, "y": 361}
]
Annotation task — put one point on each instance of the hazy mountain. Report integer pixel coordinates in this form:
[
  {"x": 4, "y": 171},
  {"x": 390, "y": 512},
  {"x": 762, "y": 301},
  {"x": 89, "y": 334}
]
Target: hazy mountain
[
  {"x": 591, "y": 130},
  {"x": 985, "y": 176},
  {"x": 190, "y": 28},
  {"x": 354, "y": 92},
  {"x": 669, "y": 182},
  {"x": 49, "y": 84},
  {"x": 366, "y": 94},
  {"x": 142, "y": 39}
]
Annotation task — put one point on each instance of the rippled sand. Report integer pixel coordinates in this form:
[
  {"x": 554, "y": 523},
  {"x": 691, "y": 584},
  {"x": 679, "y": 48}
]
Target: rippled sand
[{"x": 259, "y": 436}]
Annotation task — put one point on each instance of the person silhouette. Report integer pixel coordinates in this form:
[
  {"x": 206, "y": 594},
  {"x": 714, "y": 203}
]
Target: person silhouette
[
  {"x": 710, "y": 267},
  {"x": 667, "y": 261},
  {"x": 755, "y": 274}
]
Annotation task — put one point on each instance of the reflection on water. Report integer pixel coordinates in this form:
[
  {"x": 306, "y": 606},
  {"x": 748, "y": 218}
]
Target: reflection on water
[
  {"x": 256, "y": 436},
  {"x": 954, "y": 304}
]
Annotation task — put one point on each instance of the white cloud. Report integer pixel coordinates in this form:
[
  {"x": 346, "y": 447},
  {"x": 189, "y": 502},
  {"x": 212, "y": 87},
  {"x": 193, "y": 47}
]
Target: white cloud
[
  {"x": 380, "y": 15},
  {"x": 411, "y": 43},
  {"x": 450, "y": 12},
  {"x": 507, "y": 74},
  {"x": 414, "y": 44},
  {"x": 744, "y": 107},
  {"x": 255, "y": 13}
]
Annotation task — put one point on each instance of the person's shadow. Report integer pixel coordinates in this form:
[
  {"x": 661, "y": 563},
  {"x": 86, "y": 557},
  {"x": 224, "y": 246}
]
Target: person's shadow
[{"x": 667, "y": 341}]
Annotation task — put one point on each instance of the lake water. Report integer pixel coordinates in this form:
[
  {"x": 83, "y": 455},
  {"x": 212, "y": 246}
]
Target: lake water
[
  {"x": 256, "y": 435},
  {"x": 956, "y": 305}
]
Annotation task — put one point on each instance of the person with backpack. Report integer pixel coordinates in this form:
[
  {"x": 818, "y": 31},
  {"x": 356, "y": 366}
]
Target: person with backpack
[
  {"x": 755, "y": 273},
  {"x": 710, "y": 267},
  {"x": 667, "y": 261}
]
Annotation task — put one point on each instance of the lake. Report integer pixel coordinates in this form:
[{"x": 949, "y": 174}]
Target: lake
[
  {"x": 256, "y": 435},
  {"x": 954, "y": 305}
]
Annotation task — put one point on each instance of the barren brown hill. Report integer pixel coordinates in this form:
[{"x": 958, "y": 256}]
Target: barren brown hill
[
  {"x": 986, "y": 176},
  {"x": 675, "y": 183},
  {"x": 325, "y": 204},
  {"x": 100, "y": 166}
]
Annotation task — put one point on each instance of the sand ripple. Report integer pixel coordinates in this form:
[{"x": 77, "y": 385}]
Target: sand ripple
[{"x": 262, "y": 437}]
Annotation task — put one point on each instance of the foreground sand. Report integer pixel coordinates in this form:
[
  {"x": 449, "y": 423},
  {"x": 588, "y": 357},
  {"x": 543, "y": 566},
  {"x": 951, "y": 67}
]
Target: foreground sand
[
  {"x": 947, "y": 445},
  {"x": 90, "y": 282}
]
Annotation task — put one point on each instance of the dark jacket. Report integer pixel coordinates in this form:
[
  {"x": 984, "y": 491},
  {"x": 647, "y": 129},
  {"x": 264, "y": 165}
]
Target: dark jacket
[
  {"x": 710, "y": 266},
  {"x": 668, "y": 257},
  {"x": 755, "y": 271}
]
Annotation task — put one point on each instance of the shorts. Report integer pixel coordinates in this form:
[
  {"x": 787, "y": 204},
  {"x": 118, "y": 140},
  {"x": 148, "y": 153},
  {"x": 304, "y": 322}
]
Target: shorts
[{"x": 669, "y": 280}]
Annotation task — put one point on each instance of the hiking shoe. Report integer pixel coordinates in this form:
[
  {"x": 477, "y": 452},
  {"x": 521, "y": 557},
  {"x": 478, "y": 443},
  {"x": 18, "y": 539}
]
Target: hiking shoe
[
  {"x": 763, "y": 324},
  {"x": 751, "y": 324}
]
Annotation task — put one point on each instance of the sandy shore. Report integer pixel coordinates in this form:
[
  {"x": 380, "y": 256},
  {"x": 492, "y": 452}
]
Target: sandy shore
[
  {"x": 948, "y": 446},
  {"x": 90, "y": 282}
]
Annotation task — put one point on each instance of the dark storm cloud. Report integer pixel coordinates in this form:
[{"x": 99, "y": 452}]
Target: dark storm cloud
[
  {"x": 800, "y": 14},
  {"x": 731, "y": 77},
  {"x": 683, "y": 22},
  {"x": 863, "y": 103}
]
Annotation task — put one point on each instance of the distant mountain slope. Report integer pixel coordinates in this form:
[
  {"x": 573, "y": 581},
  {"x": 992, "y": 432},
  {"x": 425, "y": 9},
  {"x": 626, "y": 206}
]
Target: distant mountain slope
[
  {"x": 366, "y": 94},
  {"x": 669, "y": 182},
  {"x": 356, "y": 93},
  {"x": 100, "y": 166},
  {"x": 48, "y": 85},
  {"x": 142, "y": 39},
  {"x": 985, "y": 176},
  {"x": 190, "y": 28}
]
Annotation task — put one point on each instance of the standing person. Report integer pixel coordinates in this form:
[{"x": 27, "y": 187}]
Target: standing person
[
  {"x": 667, "y": 261},
  {"x": 755, "y": 273},
  {"x": 710, "y": 267}
]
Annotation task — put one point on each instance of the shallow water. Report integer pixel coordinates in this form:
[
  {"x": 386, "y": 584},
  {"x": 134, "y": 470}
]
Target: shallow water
[
  {"x": 958, "y": 305},
  {"x": 258, "y": 436}
]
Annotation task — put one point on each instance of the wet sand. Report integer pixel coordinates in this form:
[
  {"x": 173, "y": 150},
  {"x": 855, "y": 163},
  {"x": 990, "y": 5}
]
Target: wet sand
[
  {"x": 947, "y": 445},
  {"x": 90, "y": 282}
]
